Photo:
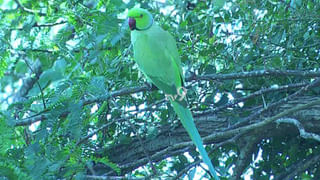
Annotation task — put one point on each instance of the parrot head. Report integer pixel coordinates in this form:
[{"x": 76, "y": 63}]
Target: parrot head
[{"x": 139, "y": 19}]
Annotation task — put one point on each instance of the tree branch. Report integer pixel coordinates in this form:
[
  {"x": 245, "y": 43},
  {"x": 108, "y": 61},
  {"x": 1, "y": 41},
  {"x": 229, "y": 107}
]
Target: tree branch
[
  {"x": 276, "y": 104},
  {"x": 110, "y": 177},
  {"x": 171, "y": 142},
  {"x": 254, "y": 94},
  {"x": 42, "y": 25},
  {"x": 263, "y": 123},
  {"x": 20, "y": 6},
  {"x": 38, "y": 84},
  {"x": 299, "y": 167},
  {"x": 132, "y": 90},
  {"x": 246, "y": 145},
  {"x": 29, "y": 82},
  {"x": 216, "y": 146},
  {"x": 145, "y": 151},
  {"x": 302, "y": 131},
  {"x": 43, "y": 116},
  {"x": 261, "y": 73}
]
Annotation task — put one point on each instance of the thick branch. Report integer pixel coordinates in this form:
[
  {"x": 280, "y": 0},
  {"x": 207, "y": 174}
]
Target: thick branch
[
  {"x": 169, "y": 141},
  {"x": 263, "y": 123},
  {"x": 246, "y": 146},
  {"x": 197, "y": 162}
]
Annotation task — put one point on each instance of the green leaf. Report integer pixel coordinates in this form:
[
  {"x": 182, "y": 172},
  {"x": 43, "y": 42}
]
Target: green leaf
[
  {"x": 97, "y": 86},
  {"x": 33, "y": 149},
  {"x": 21, "y": 67},
  {"x": 7, "y": 173},
  {"x": 3, "y": 66},
  {"x": 123, "y": 139},
  {"x": 210, "y": 69},
  {"x": 218, "y": 4},
  {"x": 48, "y": 77},
  {"x": 75, "y": 121},
  {"x": 60, "y": 66}
]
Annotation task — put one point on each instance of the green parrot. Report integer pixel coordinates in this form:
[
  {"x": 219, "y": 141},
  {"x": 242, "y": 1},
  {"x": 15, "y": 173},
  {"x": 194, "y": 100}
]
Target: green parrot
[{"x": 157, "y": 56}]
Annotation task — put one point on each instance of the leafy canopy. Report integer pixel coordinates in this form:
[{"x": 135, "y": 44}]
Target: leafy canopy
[{"x": 71, "y": 94}]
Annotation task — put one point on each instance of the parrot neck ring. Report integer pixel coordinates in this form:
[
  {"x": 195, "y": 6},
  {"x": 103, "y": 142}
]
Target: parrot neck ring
[{"x": 132, "y": 25}]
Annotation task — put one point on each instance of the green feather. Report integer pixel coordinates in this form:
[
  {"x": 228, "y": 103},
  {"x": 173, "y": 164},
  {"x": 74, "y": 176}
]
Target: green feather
[{"x": 188, "y": 123}]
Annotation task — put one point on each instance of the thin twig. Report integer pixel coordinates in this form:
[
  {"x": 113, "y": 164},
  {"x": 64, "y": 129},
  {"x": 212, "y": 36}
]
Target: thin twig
[
  {"x": 296, "y": 48},
  {"x": 263, "y": 123},
  {"x": 38, "y": 50},
  {"x": 42, "y": 25},
  {"x": 82, "y": 140},
  {"x": 38, "y": 84},
  {"x": 252, "y": 95},
  {"x": 276, "y": 104},
  {"x": 251, "y": 74},
  {"x": 111, "y": 177},
  {"x": 144, "y": 149},
  {"x": 20, "y": 6},
  {"x": 282, "y": 101}
]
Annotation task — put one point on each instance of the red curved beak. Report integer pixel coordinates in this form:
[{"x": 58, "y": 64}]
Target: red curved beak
[{"x": 132, "y": 23}]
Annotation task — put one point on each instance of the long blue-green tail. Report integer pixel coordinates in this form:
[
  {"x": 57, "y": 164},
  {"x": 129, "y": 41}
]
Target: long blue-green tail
[{"x": 188, "y": 123}]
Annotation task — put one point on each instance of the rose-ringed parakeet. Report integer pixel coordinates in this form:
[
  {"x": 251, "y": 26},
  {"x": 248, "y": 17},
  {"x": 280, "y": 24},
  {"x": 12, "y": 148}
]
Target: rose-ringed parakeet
[{"x": 156, "y": 54}]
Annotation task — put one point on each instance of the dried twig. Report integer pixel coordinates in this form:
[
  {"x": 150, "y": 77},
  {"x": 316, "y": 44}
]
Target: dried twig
[
  {"x": 251, "y": 74},
  {"x": 36, "y": 81},
  {"x": 276, "y": 104},
  {"x": 154, "y": 170},
  {"x": 252, "y": 95},
  {"x": 42, "y": 25},
  {"x": 261, "y": 124}
]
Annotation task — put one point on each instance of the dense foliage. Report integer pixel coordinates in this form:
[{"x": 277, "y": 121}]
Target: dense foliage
[{"x": 74, "y": 105}]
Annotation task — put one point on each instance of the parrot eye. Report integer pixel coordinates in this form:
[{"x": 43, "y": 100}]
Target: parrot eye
[{"x": 141, "y": 15}]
